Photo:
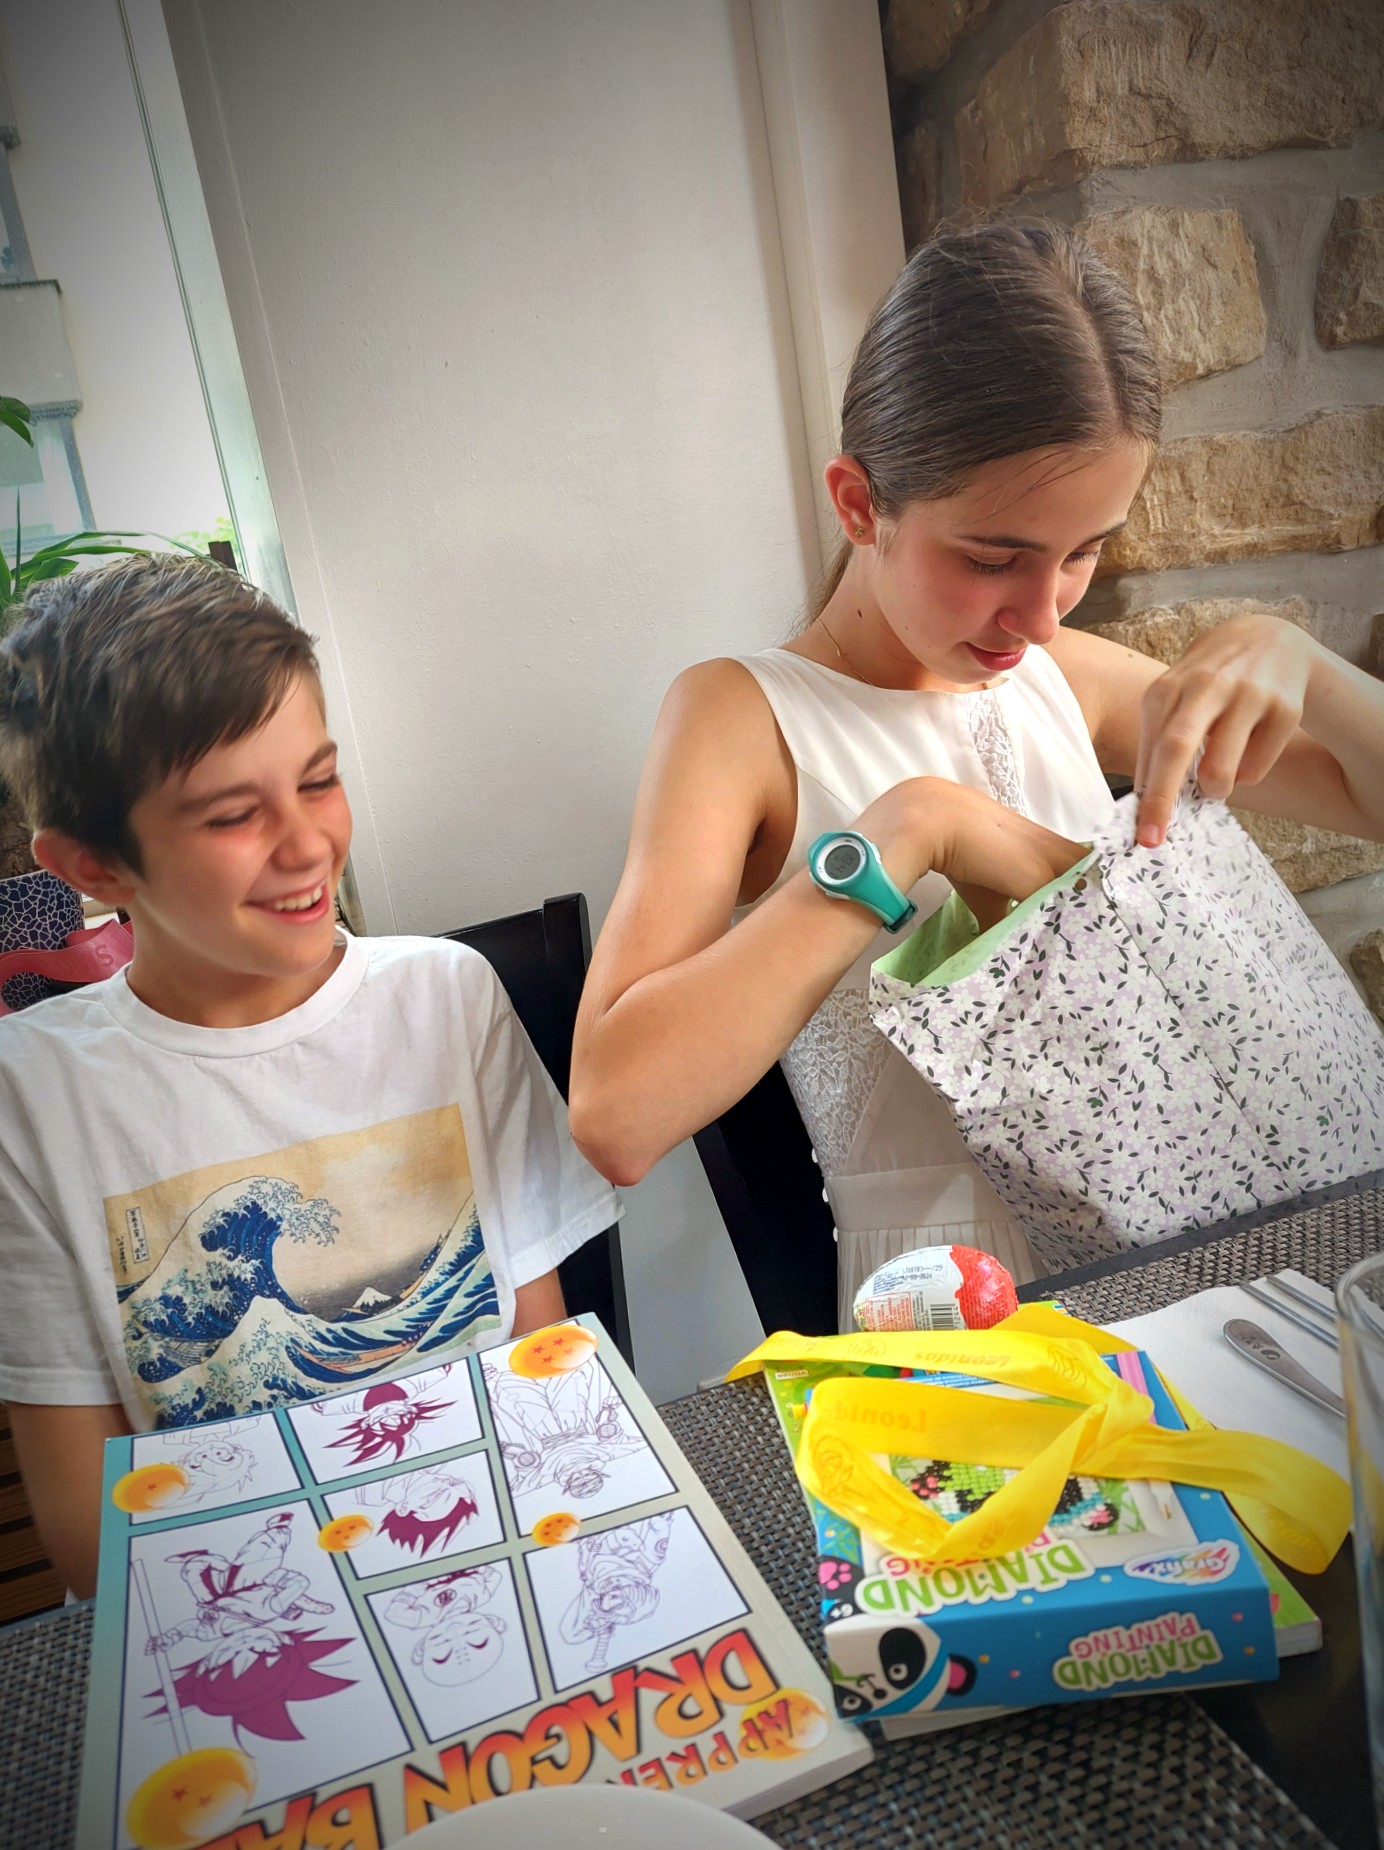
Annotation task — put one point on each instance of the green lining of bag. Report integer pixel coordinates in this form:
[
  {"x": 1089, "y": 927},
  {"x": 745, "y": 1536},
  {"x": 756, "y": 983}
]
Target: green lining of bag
[{"x": 949, "y": 945}]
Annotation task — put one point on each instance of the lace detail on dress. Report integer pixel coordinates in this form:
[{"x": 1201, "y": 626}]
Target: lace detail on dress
[
  {"x": 990, "y": 735},
  {"x": 831, "y": 1069}
]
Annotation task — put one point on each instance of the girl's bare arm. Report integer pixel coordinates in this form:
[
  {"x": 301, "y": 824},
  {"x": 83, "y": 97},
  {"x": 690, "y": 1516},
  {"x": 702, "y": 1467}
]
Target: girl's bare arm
[{"x": 681, "y": 1015}]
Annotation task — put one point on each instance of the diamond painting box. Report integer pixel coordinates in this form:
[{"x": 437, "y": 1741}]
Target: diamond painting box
[{"x": 1132, "y": 1584}]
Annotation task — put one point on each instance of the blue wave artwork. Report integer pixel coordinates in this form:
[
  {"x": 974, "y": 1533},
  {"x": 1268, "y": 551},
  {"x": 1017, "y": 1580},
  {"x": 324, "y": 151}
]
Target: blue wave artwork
[{"x": 212, "y": 1330}]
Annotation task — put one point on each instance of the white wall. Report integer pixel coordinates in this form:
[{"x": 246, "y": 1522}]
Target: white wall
[
  {"x": 91, "y": 213},
  {"x": 509, "y": 294}
]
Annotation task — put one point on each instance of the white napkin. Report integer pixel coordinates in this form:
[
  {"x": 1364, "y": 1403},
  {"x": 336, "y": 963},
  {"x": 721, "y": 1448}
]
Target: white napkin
[{"x": 1186, "y": 1343}]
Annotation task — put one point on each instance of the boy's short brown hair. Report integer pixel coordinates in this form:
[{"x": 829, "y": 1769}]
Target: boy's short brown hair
[{"x": 115, "y": 678}]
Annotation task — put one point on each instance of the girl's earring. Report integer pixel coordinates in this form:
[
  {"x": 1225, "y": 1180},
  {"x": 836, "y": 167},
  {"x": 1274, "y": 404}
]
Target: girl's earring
[{"x": 860, "y": 533}]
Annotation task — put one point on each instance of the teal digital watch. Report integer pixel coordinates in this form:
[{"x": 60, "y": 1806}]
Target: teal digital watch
[{"x": 846, "y": 865}]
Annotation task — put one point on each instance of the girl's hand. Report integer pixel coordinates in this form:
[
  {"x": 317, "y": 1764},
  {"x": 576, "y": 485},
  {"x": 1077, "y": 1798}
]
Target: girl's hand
[{"x": 1240, "y": 692}]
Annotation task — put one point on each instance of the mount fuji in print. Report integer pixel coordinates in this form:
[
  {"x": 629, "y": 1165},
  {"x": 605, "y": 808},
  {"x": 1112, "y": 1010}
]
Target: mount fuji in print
[{"x": 213, "y": 1331}]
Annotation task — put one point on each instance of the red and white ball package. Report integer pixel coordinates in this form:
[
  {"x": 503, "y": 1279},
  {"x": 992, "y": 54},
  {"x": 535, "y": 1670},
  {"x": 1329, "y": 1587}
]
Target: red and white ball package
[{"x": 936, "y": 1288}]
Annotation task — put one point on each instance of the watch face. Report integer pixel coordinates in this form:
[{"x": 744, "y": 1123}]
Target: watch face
[{"x": 843, "y": 860}]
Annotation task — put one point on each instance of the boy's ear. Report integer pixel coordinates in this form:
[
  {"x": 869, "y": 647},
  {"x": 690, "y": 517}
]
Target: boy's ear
[{"x": 102, "y": 879}]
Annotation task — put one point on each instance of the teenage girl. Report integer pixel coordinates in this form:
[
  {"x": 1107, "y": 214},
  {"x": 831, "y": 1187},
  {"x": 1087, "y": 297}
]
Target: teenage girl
[{"x": 1001, "y": 414}]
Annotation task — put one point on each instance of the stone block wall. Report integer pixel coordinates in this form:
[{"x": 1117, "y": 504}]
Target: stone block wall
[{"x": 1226, "y": 157}]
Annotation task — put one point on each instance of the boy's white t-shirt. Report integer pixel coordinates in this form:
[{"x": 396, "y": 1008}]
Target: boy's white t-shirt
[{"x": 203, "y": 1221}]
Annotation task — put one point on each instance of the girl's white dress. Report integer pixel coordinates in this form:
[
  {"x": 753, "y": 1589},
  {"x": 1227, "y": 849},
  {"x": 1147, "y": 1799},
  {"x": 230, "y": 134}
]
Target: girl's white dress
[{"x": 897, "y": 1174}]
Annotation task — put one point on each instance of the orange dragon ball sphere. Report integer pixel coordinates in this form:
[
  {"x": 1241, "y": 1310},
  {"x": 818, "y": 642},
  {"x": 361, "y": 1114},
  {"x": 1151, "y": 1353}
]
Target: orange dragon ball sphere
[
  {"x": 191, "y": 1800},
  {"x": 344, "y": 1532},
  {"x": 788, "y": 1723},
  {"x": 561, "y": 1526},
  {"x": 151, "y": 1487},
  {"x": 557, "y": 1351}
]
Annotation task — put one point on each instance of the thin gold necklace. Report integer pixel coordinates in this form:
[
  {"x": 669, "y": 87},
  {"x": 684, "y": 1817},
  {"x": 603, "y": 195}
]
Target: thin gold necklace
[
  {"x": 850, "y": 665},
  {"x": 841, "y": 653}
]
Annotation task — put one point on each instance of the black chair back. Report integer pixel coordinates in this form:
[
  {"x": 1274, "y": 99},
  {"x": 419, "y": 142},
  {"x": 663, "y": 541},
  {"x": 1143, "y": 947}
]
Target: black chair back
[
  {"x": 758, "y": 1159},
  {"x": 541, "y": 958}
]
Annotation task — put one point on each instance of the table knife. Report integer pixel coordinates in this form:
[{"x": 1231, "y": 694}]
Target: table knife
[
  {"x": 1325, "y": 1311},
  {"x": 1258, "y": 1346},
  {"x": 1311, "y": 1321}
]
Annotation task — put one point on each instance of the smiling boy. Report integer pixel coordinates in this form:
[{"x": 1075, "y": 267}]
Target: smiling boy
[{"x": 267, "y": 1161}]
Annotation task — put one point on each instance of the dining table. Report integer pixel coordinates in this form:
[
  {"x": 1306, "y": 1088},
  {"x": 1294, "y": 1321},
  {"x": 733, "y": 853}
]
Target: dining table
[{"x": 1272, "y": 1765}]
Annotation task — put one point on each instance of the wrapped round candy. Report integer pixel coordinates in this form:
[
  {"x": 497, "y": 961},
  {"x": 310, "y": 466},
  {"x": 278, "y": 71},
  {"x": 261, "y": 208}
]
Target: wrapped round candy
[{"x": 936, "y": 1288}]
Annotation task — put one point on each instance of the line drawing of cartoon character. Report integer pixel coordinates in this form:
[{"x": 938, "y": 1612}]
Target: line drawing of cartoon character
[
  {"x": 386, "y": 1419},
  {"x": 616, "y": 1570},
  {"x": 560, "y": 1431},
  {"x": 215, "y": 1464},
  {"x": 459, "y": 1643},
  {"x": 259, "y": 1660},
  {"x": 426, "y": 1507}
]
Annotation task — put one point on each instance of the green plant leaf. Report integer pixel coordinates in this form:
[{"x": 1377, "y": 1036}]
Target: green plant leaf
[
  {"x": 37, "y": 571},
  {"x": 59, "y": 557},
  {"x": 77, "y": 544},
  {"x": 74, "y": 540},
  {"x": 70, "y": 551},
  {"x": 6, "y": 583},
  {"x": 17, "y": 416}
]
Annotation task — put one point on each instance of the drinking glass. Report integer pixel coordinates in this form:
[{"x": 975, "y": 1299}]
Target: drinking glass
[{"x": 1360, "y": 1307}]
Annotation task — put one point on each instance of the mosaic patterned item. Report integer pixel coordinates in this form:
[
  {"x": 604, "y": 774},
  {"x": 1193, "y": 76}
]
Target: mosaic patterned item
[
  {"x": 38, "y": 912},
  {"x": 1155, "y": 1042},
  {"x": 1095, "y": 1504}
]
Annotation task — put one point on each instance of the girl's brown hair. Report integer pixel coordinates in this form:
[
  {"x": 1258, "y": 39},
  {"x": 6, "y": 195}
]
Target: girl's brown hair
[{"x": 989, "y": 343}]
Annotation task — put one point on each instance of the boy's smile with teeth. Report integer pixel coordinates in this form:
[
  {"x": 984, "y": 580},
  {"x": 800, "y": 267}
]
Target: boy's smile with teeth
[{"x": 297, "y": 902}]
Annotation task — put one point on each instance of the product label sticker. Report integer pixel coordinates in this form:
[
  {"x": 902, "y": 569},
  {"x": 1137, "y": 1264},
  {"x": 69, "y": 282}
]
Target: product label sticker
[{"x": 1195, "y": 1566}]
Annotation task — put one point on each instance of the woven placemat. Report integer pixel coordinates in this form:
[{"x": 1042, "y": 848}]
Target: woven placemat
[
  {"x": 43, "y": 1679},
  {"x": 1320, "y": 1241}
]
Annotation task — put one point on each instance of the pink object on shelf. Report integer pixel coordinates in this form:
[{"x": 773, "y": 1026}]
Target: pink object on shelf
[{"x": 86, "y": 957}]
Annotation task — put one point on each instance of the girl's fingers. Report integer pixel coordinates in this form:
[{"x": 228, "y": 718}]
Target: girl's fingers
[
  {"x": 1226, "y": 745},
  {"x": 1167, "y": 755},
  {"x": 1267, "y": 744},
  {"x": 1154, "y": 711},
  {"x": 1239, "y": 691},
  {"x": 1242, "y": 742}
]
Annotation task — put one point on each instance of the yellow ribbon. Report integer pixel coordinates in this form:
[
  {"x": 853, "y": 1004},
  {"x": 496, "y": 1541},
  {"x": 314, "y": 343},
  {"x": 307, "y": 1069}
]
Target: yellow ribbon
[{"x": 1298, "y": 1507}]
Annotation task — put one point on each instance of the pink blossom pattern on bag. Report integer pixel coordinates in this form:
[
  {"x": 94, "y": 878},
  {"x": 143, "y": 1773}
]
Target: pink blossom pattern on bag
[{"x": 1159, "y": 1045}]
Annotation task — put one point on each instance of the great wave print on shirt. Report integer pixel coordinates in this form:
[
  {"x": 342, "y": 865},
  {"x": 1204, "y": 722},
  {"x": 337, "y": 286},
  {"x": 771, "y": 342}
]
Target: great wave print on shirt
[{"x": 301, "y": 1271}]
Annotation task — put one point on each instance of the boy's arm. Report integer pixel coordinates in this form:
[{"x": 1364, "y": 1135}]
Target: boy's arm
[
  {"x": 538, "y": 1303},
  {"x": 60, "y": 1456},
  {"x": 540, "y": 1198}
]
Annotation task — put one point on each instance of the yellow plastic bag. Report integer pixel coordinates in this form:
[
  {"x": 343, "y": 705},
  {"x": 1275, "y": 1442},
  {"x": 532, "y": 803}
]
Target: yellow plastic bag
[{"x": 1297, "y": 1507}]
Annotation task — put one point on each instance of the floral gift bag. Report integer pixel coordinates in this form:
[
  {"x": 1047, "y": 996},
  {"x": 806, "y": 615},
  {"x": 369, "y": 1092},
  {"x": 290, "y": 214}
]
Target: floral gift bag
[{"x": 1156, "y": 1041}]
